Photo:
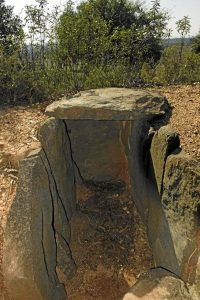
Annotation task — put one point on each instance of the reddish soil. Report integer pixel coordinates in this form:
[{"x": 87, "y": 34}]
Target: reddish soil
[
  {"x": 185, "y": 119},
  {"x": 109, "y": 245}
]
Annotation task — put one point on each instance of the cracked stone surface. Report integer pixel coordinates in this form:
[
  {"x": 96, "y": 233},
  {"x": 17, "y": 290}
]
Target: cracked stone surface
[
  {"x": 29, "y": 258},
  {"x": 110, "y": 104},
  {"x": 37, "y": 234},
  {"x": 181, "y": 203},
  {"x": 164, "y": 142},
  {"x": 158, "y": 284}
]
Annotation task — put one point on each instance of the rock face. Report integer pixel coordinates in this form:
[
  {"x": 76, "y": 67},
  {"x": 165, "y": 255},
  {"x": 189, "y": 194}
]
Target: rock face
[
  {"x": 98, "y": 150},
  {"x": 30, "y": 246},
  {"x": 38, "y": 234},
  {"x": 164, "y": 142},
  {"x": 178, "y": 181},
  {"x": 181, "y": 204},
  {"x": 147, "y": 198},
  {"x": 56, "y": 146},
  {"x": 158, "y": 284},
  {"x": 166, "y": 189},
  {"x": 109, "y": 104}
]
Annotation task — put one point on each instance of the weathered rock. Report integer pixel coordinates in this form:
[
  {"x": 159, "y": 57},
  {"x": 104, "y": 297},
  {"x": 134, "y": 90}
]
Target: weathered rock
[
  {"x": 29, "y": 255},
  {"x": 109, "y": 104},
  {"x": 56, "y": 146},
  {"x": 147, "y": 199},
  {"x": 164, "y": 142},
  {"x": 98, "y": 150},
  {"x": 55, "y": 142},
  {"x": 158, "y": 285},
  {"x": 181, "y": 204},
  {"x": 44, "y": 204},
  {"x": 177, "y": 177}
]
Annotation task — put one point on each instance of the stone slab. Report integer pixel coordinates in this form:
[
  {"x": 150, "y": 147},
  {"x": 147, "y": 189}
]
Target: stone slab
[
  {"x": 158, "y": 284},
  {"x": 97, "y": 150},
  {"x": 163, "y": 143},
  {"x": 109, "y": 104},
  {"x": 147, "y": 198},
  {"x": 181, "y": 204},
  {"x": 29, "y": 254}
]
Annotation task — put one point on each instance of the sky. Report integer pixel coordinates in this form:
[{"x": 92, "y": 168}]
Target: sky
[{"x": 176, "y": 8}]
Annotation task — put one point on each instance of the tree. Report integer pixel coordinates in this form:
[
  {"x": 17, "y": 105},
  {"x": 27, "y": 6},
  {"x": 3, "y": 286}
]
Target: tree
[
  {"x": 105, "y": 33},
  {"x": 196, "y": 43},
  {"x": 37, "y": 23},
  {"x": 11, "y": 32},
  {"x": 183, "y": 27}
]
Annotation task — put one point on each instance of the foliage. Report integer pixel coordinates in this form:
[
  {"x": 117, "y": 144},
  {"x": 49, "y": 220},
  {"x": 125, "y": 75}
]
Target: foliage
[
  {"x": 100, "y": 34},
  {"x": 196, "y": 44},
  {"x": 171, "y": 70},
  {"x": 101, "y": 43},
  {"x": 11, "y": 33},
  {"x": 18, "y": 84},
  {"x": 183, "y": 27}
]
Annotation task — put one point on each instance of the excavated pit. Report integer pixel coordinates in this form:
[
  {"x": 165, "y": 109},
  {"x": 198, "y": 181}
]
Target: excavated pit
[
  {"x": 109, "y": 242},
  {"x": 108, "y": 196}
]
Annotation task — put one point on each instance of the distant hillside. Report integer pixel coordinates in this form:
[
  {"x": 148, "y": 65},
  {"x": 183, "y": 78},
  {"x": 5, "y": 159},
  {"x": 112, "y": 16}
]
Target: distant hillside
[{"x": 175, "y": 41}]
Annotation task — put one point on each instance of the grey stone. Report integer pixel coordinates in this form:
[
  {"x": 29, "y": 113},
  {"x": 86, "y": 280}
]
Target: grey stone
[
  {"x": 38, "y": 229},
  {"x": 147, "y": 199},
  {"x": 55, "y": 142},
  {"x": 109, "y": 104},
  {"x": 163, "y": 143},
  {"x": 181, "y": 204},
  {"x": 86, "y": 144},
  {"x": 158, "y": 284},
  {"x": 29, "y": 255},
  {"x": 56, "y": 146},
  {"x": 98, "y": 150}
]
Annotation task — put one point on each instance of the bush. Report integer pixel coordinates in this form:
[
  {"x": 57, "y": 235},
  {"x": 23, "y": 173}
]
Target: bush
[
  {"x": 175, "y": 69},
  {"x": 147, "y": 73},
  {"x": 20, "y": 84}
]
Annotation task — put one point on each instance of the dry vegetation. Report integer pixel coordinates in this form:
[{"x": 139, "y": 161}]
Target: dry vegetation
[
  {"x": 185, "y": 119},
  {"x": 18, "y": 134}
]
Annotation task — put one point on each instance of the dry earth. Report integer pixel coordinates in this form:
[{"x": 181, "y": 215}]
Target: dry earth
[{"x": 18, "y": 134}]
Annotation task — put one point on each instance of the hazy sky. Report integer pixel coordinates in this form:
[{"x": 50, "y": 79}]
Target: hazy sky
[{"x": 176, "y": 8}]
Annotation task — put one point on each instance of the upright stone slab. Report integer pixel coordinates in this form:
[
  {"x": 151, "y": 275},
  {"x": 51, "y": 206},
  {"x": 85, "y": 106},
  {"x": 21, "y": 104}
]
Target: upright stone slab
[
  {"x": 55, "y": 142},
  {"x": 29, "y": 256},
  {"x": 98, "y": 150},
  {"x": 37, "y": 237},
  {"x": 181, "y": 204},
  {"x": 164, "y": 142},
  {"x": 178, "y": 180},
  {"x": 56, "y": 146},
  {"x": 147, "y": 198}
]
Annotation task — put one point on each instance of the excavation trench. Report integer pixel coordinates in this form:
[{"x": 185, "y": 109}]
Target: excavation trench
[
  {"x": 108, "y": 196},
  {"x": 109, "y": 245},
  {"x": 108, "y": 239}
]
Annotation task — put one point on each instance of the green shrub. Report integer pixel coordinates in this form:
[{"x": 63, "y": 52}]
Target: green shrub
[
  {"x": 175, "y": 69},
  {"x": 147, "y": 73},
  {"x": 20, "y": 84}
]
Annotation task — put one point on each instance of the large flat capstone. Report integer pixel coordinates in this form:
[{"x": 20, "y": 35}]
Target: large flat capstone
[{"x": 110, "y": 104}]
